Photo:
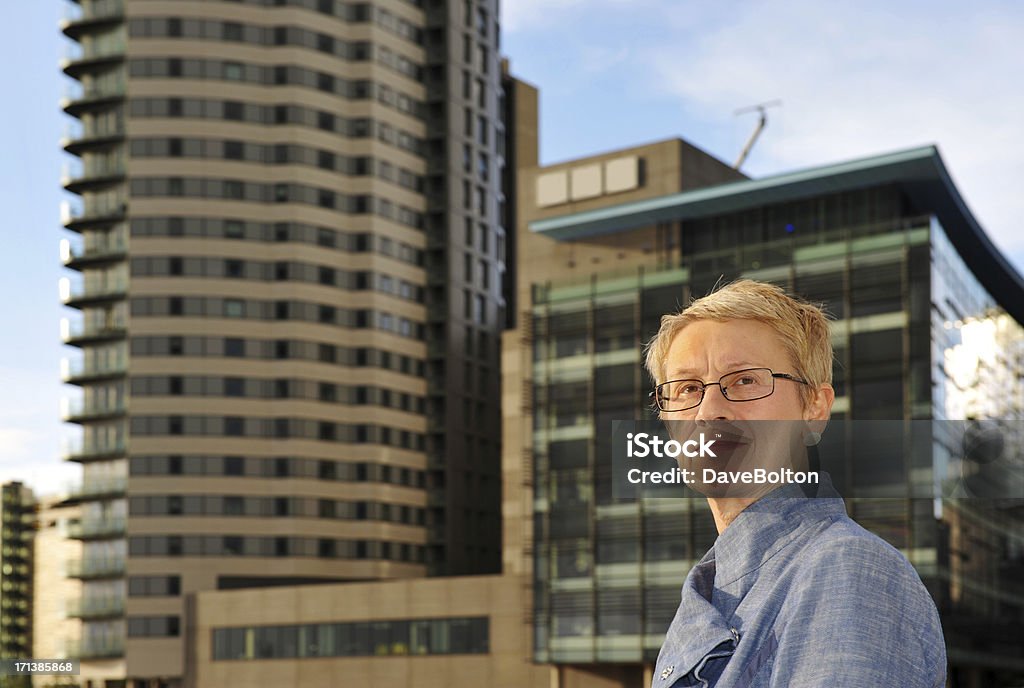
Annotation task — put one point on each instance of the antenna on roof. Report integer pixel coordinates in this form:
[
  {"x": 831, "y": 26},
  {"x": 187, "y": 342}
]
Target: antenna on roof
[{"x": 761, "y": 122}]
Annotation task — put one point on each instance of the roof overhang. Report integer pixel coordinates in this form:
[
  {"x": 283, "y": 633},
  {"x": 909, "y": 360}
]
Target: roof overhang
[{"x": 920, "y": 172}]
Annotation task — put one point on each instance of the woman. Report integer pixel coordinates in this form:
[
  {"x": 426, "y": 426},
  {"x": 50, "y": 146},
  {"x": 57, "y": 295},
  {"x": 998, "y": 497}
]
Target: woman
[{"x": 793, "y": 593}]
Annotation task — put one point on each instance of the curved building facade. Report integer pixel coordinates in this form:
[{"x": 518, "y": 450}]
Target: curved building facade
[{"x": 288, "y": 249}]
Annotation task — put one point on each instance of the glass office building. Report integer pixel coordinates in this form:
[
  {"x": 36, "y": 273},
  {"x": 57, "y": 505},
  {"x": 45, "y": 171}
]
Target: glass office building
[{"x": 927, "y": 327}]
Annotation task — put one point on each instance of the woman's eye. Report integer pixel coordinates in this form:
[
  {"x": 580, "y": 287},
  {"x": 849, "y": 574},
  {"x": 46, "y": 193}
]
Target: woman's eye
[
  {"x": 689, "y": 389},
  {"x": 746, "y": 380}
]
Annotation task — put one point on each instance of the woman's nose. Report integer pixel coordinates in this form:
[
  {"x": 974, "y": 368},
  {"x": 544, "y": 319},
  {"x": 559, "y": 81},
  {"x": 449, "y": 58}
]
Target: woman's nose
[{"x": 714, "y": 405}]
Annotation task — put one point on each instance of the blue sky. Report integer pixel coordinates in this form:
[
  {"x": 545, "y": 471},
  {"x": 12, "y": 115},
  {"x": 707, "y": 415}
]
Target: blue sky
[{"x": 855, "y": 79}]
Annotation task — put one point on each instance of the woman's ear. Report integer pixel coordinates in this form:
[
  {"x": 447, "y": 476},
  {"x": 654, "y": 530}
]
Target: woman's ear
[{"x": 819, "y": 408}]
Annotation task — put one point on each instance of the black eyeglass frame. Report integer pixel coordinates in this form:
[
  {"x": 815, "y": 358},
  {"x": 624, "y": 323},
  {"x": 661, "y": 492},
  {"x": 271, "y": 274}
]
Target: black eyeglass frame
[{"x": 775, "y": 376}]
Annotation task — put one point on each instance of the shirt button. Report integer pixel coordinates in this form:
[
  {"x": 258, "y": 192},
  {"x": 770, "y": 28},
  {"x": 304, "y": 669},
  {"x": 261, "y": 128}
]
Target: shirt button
[
  {"x": 667, "y": 672},
  {"x": 735, "y": 634}
]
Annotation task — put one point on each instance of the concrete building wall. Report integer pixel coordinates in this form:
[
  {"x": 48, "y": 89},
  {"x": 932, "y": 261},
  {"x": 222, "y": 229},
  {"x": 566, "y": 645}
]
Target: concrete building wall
[{"x": 499, "y": 598}]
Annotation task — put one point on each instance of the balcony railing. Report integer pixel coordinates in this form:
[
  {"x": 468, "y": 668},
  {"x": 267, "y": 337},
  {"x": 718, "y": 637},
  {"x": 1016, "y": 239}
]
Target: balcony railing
[
  {"x": 77, "y": 57},
  {"x": 76, "y": 96},
  {"x": 80, "y": 332},
  {"x": 87, "y": 451},
  {"x": 75, "y": 178},
  {"x": 80, "y": 409},
  {"x": 97, "y": 529},
  {"x": 77, "y": 137},
  {"x": 92, "y": 292},
  {"x": 98, "y": 10},
  {"x": 73, "y": 371},
  {"x": 91, "y": 489},
  {"x": 112, "y": 567},
  {"x": 85, "y": 608},
  {"x": 72, "y": 256},
  {"x": 94, "y": 648}
]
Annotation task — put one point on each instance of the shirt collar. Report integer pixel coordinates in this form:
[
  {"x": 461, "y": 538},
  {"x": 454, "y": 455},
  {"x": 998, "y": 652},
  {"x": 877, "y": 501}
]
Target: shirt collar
[{"x": 766, "y": 526}]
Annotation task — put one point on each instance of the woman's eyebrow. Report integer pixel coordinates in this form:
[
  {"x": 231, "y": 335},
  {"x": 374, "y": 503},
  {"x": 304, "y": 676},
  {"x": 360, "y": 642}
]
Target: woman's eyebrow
[{"x": 692, "y": 372}]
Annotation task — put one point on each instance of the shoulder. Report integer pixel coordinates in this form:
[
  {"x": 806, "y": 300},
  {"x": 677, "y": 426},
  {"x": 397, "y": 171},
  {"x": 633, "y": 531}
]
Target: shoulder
[
  {"x": 846, "y": 567},
  {"x": 858, "y": 614},
  {"x": 844, "y": 547}
]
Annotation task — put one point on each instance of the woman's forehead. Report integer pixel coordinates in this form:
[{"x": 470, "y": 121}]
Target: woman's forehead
[{"x": 730, "y": 344}]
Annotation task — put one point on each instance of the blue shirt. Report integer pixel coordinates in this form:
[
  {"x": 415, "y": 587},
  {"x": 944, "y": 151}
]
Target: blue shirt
[{"x": 796, "y": 594}]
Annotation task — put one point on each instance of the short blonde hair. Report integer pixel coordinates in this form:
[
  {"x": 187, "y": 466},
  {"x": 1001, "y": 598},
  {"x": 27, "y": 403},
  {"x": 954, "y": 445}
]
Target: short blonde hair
[{"x": 802, "y": 327}]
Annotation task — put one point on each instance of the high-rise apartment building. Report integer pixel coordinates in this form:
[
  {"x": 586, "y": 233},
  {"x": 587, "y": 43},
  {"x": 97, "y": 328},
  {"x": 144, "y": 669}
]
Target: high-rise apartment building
[
  {"x": 16, "y": 531},
  {"x": 290, "y": 253}
]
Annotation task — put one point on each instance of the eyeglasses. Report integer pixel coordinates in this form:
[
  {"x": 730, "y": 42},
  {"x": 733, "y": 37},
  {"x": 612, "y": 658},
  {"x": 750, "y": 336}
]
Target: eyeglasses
[{"x": 740, "y": 385}]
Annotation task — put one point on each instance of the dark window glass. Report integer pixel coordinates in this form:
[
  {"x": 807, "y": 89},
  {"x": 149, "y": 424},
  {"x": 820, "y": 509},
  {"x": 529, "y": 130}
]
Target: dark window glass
[
  {"x": 281, "y": 348},
  {"x": 233, "y": 110},
  {"x": 234, "y": 346},
  {"x": 233, "y": 465},
  {"x": 234, "y": 387},
  {"x": 234, "y": 426},
  {"x": 234, "y": 150}
]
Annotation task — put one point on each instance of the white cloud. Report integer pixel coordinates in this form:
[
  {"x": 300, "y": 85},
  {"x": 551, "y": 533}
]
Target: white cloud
[
  {"x": 29, "y": 435},
  {"x": 857, "y": 79},
  {"x": 523, "y": 15}
]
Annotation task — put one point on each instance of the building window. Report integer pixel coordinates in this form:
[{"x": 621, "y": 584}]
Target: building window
[
  {"x": 234, "y": 426},
  {"x": 431, "y": 636},
  {"x": 234, "y": 189},
  {"x": 327, "y": 353},
  {"x": 481, "y": 127},
  {"x": 328, "y": 392},
  {"x": 234, "y": 110},
  {"x": 234, "y": 308},
  {"x": 234, "y": 150},
  {"x": 231, "y": 31},
  {"x": 153, "y": 626},
  {"x": 234, "y": 465},
  {"x": 234, "y": 229},
  {"x": 233, "y": 71}
]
